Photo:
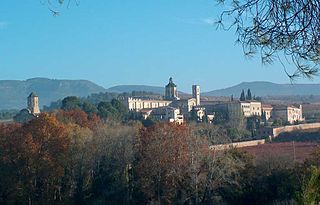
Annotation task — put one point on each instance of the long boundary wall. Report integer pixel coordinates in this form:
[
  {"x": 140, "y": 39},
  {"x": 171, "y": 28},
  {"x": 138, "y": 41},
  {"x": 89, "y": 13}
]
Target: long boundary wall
[
  {"x": 238, "y": 144},
  {"x": 275, "y": 133},
  {"x": 290, "y": 128}
]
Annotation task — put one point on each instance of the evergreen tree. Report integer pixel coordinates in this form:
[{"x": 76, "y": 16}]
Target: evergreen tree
[
  {"x": 193, "y": 115},
  {"x": 70, "y": 103},
  {"x": 242, "y": 96},
  {"x": 249, "y": 96},
  {"x": 264, "y": 117}
]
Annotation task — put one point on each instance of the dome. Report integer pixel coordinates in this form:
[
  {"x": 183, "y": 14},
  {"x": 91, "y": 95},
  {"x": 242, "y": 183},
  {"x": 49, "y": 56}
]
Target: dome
[
  {"x": 33, "y": 94},
  {"x": 171, "y": 84}
]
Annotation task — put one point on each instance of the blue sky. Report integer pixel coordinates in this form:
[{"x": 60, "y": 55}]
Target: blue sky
[{"x": 113, "y": 42}]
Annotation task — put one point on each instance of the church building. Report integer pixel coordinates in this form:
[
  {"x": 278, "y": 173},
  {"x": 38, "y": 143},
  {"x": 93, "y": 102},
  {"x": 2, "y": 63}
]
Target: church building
[
  {"x": 33, "y": 104},
  {"x": 32, "y": 111},
  {"x": 171, "y": 92},
  {"x": 171, "y": 108}
]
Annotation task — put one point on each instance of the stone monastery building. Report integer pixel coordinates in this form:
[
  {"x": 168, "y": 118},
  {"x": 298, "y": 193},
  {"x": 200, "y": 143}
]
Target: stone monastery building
[{"x": 171, "y": 108}]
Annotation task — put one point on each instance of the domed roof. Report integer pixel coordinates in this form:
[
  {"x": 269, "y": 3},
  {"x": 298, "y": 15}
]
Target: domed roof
[
  {"x": 171, "y": 84},
  {"x": 33, "y": 94}
]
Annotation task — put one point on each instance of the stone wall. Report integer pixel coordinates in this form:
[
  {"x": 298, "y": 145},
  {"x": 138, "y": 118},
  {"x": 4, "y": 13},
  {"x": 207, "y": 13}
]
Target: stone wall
[
  {"x": 238, "y": 144},
  {"x": 290, "y": 128}
]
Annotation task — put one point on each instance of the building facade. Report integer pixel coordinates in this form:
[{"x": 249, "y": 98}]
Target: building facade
[
  {"x": 33, "y": 104},
  {"x": 137, "y": 104},
  {"x": 174, "y": 115},
  {"x": 31, "y": 112},
  {"x": 172, "y": 108},
  {"x": 196, "y": 93},
  {"x": 289, "y": 114},
  {"x": 267, "y": 112},
  {"x": 249, "y": 108},
  {"x": 171, "y": 92},
  {"x": 185, "y": 105},
  {"x": 169, "y": 114}
]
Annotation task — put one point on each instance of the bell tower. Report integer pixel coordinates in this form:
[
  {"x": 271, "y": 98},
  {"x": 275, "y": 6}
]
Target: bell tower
[
  {"x": 196, "y": 93},
  {"x": 171, "y": 92},
  {"x": 33, "y": 104}
]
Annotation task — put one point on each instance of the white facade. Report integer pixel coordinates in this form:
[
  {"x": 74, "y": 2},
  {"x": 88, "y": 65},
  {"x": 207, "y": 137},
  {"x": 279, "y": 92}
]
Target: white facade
[
  {"x": 255, "y": 108},
  {"x": 267, "y": 110},
  {"x": 251, "y": 108},
  {"x": 290, "y": 114},
  {"x": 137, "y": 104},
  {"x": 173, "y": 115},
  {"x": 169, "y": 114},
  {"x": 172, "y": 108}
]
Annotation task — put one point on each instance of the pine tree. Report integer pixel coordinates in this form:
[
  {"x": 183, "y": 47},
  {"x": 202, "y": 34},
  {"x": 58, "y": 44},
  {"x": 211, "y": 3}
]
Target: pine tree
[
  {"x": 264, "y": 117},
  {"x": 242, "y": 96}
]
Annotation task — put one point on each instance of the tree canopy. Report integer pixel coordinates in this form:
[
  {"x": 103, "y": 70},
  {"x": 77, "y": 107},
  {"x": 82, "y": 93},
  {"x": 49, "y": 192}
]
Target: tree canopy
[
  {"x": 242, "y": 96},
  {"x": 287, "y": 30}
]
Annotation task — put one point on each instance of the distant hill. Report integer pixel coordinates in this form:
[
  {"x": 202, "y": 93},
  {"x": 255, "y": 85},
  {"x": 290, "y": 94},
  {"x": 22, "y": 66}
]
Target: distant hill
[
  {"x": 13, "y": 93},
  {"x": 267, "y": 89},
  {"x": 129, "y": 88}
]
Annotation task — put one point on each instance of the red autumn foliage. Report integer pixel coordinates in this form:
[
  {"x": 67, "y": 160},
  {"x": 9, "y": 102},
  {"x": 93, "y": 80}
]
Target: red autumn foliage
[
  {"x": 32, "y": 157},
  {"x": 80, "y": 118}
]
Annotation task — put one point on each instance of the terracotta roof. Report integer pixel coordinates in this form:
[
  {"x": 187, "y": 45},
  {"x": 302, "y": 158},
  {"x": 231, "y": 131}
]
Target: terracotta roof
[{"x": 266, "y": 106}]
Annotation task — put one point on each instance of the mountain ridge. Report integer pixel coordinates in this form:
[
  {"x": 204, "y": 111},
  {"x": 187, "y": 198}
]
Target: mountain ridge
[
  {"x": 265, "y": 88},
  {"x": 14, "y": 92}
]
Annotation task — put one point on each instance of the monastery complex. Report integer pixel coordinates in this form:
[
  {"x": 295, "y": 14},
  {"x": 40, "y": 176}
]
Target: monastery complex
[{"x": 172, "y": 108}]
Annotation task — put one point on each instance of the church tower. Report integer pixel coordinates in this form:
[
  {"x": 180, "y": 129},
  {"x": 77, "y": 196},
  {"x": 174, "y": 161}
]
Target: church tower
[
  {"x": 196, "y": 93},
  {"x": 33, "y": 104},
  {"x": 171, "y": 92}
]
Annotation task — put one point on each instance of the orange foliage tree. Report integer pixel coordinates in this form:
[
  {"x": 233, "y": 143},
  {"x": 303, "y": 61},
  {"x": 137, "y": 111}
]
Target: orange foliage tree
[
  {"x": 35, "y": 153},
  {"x": 163, "y": 160}
]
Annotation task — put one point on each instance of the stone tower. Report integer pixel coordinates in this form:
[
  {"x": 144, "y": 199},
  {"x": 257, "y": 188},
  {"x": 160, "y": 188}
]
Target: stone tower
[
  {"x": 171, "y": 92},
  {"x": 196, "y": 93},
  {"x": 33, "y": 104}
]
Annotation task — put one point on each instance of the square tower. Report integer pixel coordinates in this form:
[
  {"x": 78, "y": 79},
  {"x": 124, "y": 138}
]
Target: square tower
[
  {"x": 196, "y": 93},
  {"x": 33, "y": 104}
]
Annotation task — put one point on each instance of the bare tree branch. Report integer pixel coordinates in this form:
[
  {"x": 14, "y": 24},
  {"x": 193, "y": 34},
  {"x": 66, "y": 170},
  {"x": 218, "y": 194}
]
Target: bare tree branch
[{"x": 290, "y": 27}]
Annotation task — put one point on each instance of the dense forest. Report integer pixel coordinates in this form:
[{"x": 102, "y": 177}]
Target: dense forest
[{"x": 85, "y": 153}]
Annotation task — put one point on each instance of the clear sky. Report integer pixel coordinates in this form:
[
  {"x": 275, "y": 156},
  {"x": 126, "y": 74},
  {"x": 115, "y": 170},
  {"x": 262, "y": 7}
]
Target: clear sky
[{"x": 114, "y": 42}]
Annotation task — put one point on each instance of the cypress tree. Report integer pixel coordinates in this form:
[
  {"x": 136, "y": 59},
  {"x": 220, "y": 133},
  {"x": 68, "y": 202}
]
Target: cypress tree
[
  {"x": 249, "y": 96},
  {"x": 242, "y": 96}
]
